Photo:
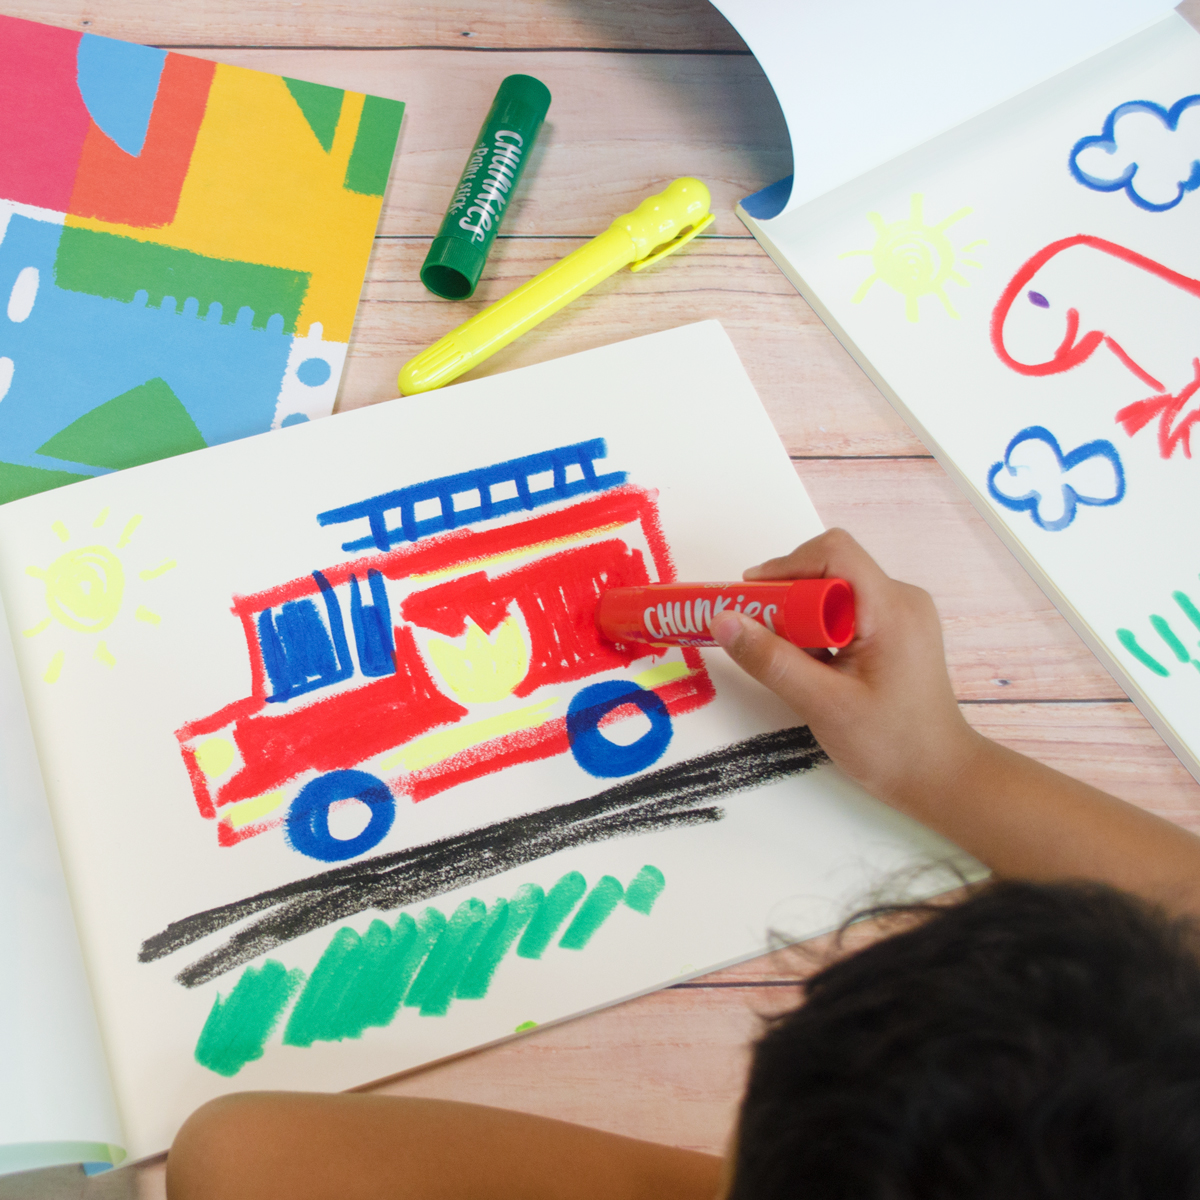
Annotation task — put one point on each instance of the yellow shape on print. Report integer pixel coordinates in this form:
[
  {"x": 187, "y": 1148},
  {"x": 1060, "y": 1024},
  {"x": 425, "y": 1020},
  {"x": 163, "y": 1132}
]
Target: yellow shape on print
[
  {"x": 60, "y": 531},
  {"x": 263, "y": 190},
  {"x": 144, "y": 614},
  {"x": 40, "y": 627},
  {"x": 84, "y": 588},
  {"x": 664, "y": 673},
  {"x": 214, "y": 756},
  {"x": 250, "y": 810},
  {"x": 127, "y": 532},
  {"x": 101, "y": 517},
  {"x": 435, "y": 747},
  {"x": 913, "y": 258},
  {"x": 161, "y": 569},
  {"x": 55, "y": 668},
  {"x": 104, "y": 655},
  {"x": 485, "y": 669}
]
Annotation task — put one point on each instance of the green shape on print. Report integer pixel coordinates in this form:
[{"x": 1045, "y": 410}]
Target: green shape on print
[
  {"x": 593, "y": 912},
  {"x": 142, "y": 425},
  {"x": 321, "y": 106},
  {"x": 118, "y": 268},
  {"x": 17, "y": 481},
  {"x": 238, "y": 1027},
  {"x": 644, "y": 888},
  {"x": 505, "y": 921},
  {"x": 551, "y": 913},
  {"x": 374, "y": 146},
  {"x": 434, "y": 987}
]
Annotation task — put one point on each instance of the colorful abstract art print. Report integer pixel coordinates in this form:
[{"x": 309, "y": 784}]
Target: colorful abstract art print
[{"x": 182, "y": 247}]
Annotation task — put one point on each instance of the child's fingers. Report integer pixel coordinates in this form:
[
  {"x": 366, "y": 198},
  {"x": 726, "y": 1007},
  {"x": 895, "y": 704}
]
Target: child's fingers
[{"x": 796, "y": 677}]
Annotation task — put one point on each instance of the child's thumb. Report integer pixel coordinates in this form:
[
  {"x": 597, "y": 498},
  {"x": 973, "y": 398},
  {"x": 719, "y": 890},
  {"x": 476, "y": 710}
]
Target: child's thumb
[{"x": 795, "y": 677}]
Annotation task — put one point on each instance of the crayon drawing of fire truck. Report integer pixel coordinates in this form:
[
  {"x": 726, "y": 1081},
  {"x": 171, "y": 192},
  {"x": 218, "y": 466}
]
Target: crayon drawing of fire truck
[{"x": 457, "y": 640}]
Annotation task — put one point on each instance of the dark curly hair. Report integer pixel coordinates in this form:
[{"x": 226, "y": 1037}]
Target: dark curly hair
[{"x": 1034, "y": 1042}]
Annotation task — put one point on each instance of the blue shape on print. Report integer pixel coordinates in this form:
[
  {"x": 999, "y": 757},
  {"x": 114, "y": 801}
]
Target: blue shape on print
[
  {"x": 294, "y": 419},
  {"x": 593, "y": 751},
  {"x": 1036, "y": 477},
  {"x": 1107, "y": 168},
  {"x": 313, "y": 372},
  {"x": 119, "y": 82},
  {"x": 308, "y": 818},
  {"x": 300, "y": 651},
  {"x": 74, "y": 352},
  {"x": 372, "y": 625}
]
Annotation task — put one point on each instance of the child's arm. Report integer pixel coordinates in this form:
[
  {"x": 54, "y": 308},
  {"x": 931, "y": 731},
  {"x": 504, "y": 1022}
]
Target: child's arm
[
  {"x": 297, "y": 1146},
  {"x": 884, "y": 711}
]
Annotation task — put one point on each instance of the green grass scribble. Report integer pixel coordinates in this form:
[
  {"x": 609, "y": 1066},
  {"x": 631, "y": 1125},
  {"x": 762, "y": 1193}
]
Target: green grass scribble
[
  {"x": 1167, "y": 634},
  {"x": 1126, "y": 638},
  {"x": 593, "y": 912},
  {"x": 1189, "y": 609},
  {"x": 427, "y": 962},
  {"x": 238, "y": 1027},
  {"x": 644, "y": 889},
  {"x": 551, "y": 913}
]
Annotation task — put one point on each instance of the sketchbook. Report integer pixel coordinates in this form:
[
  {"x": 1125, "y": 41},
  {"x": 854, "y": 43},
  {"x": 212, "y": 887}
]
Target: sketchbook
[
  {"x": 182, "y": 247},
  {"x": 342, "y": 777},
  {"x": 1024, "y": 290}
]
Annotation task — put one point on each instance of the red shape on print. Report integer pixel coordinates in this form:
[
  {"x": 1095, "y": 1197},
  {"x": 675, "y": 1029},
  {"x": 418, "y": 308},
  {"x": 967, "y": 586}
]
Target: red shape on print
[
  {"x": 1174, "y": 423},
  {"x": 43, "y": 121},
  {"x": 445, "y": 607},
  {"x": 144, "y": 191},
  {"x": 343, "y": 729}
]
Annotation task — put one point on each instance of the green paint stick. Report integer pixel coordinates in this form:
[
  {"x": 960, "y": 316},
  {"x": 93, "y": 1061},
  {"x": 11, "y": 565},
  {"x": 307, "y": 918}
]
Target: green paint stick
[
  {"x": 238, "y": 1027},
  {"x": 494, "y": 167},
  {"x": 644, "y": 888},
  {"x": 551, "y": 913},
  {"x": 1127, "y": 639},
  {"x": 593, "y": 912}
]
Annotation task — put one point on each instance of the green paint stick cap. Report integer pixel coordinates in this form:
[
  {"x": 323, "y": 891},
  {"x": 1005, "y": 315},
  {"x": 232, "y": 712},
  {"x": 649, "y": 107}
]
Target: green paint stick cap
[{"x": 494, "y": 167}]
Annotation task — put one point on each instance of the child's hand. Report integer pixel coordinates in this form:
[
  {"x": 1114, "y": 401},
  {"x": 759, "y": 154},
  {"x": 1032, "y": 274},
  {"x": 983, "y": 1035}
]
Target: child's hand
[{"x": 881, "y": 708}]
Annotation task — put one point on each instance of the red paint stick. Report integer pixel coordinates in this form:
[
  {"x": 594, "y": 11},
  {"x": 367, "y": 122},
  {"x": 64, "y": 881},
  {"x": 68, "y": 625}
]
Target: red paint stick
[{"x": 808, "y": 612}]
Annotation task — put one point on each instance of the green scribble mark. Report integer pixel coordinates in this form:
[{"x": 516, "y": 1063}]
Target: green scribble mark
[
  {"x": 1189, "y": 609},
  {"x": 593, "y": 912},
  {"x": 1126, "y": 638},
  {"x": 1167, "y": 634},
  {"x": 142, "y": 425},
  {"x": 321, "y": 106},
  {"x": 238, "y": 1027},
  {"x": 117, "y": 268},
  {"x": 644, "y": 888},
  {"x": 525, "y": 1026},
  {"x": 504, "y": 924},
  {"x": 374, "y": 146},
  {"x": 360, "y": 982},
  {"x": 17, "y": 482},
  {"x": 434, "y": 986},
  {"x": 552, "y": 912}
]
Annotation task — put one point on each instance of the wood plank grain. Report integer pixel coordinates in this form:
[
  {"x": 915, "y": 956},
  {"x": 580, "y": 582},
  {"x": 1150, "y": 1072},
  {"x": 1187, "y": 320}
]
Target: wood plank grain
[
  {"x": 573, "y": 24},
  {"x": 818, "y": 398},
  {"x": 621, "y": 126}
]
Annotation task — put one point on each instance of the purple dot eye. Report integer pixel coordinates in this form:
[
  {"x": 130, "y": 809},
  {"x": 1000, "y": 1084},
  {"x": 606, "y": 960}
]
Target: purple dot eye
[{"x": 1038, "y": 299}]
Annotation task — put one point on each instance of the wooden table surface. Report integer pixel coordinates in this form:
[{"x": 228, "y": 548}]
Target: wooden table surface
[{"x": 644, "y": 91}]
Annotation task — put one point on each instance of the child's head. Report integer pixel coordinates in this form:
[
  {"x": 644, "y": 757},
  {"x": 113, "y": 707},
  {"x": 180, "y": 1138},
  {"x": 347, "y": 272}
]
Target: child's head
[{"x": 1035, "y": 1041}]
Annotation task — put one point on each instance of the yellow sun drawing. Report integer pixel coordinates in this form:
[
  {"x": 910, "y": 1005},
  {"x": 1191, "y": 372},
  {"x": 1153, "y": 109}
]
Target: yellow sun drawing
[
  {"x": 915, "y": 259},
  {"x": 85, "y": 589}
]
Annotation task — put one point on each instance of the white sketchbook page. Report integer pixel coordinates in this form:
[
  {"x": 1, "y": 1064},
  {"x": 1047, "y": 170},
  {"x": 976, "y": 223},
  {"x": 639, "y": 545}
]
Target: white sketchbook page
[
  {"x": 55, "y": 1101},
  {"x": 861, "y": 81},
  {"x": 680, "y": 417},
  {"x": 1129, "y": 564}
]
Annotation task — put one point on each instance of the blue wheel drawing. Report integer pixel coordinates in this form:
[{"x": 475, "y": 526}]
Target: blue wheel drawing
[
  {"x": 308, "y": 818},
  {"x": 593, "y": 751}
]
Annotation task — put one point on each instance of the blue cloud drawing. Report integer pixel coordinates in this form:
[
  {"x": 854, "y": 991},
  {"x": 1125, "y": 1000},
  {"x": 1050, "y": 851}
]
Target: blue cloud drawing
[
  {"x": 1152, "y": 152},
  {"x": 1036, "y": 477}
]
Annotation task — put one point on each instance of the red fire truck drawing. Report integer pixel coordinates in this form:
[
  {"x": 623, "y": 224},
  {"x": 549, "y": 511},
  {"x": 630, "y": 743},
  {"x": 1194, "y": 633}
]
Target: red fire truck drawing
[{"x": 465, "y": 643}]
